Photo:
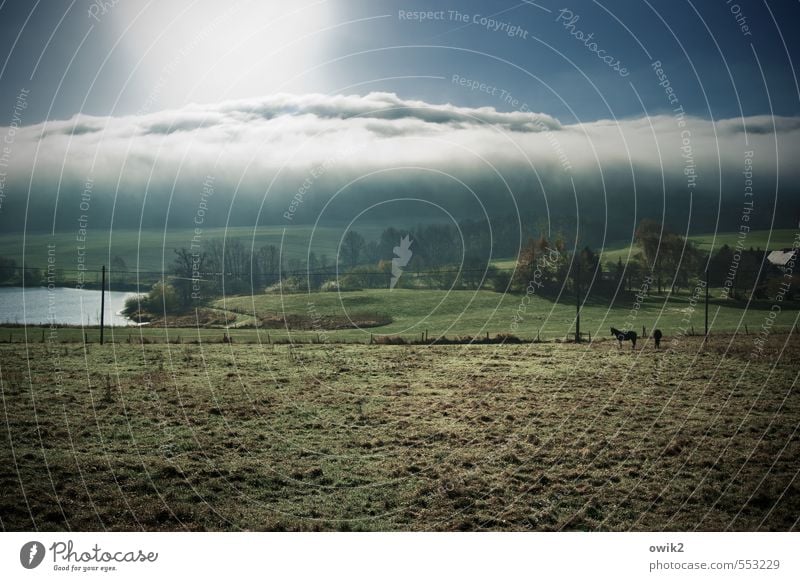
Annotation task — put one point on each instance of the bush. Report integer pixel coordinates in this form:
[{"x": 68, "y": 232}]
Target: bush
[
  {"x": 330, "y": 286},
  {"x": 500, "y": 281},
  {"x": 163, "y": 298},
  {"x": 134, "y": 304},
  {"x": 291, "y": 284}
]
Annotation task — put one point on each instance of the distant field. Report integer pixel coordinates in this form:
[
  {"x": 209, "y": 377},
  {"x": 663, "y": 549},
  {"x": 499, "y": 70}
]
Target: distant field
[
  {"x": 764, "y": 239},
  {"x": 461, "y": 313},
  {"x": 152, "y": 249},
  {"x": 536, "y": 437},
  {"x": 446, "y": 314}
]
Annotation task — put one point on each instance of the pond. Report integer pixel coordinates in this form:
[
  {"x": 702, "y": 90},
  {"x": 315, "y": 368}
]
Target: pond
[{"x": 63, "y": 306}]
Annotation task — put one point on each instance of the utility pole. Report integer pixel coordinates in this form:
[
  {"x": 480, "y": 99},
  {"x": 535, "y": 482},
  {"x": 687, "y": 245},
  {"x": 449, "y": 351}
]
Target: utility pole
[
  {"x": 102, "y": 302},
  {"x": 578, "y": 299},
  {"x": 706, "y": 335}
]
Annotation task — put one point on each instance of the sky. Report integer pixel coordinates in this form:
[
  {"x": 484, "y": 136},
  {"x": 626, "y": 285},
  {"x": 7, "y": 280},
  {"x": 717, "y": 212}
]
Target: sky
[{"x": 514, "y": 104}]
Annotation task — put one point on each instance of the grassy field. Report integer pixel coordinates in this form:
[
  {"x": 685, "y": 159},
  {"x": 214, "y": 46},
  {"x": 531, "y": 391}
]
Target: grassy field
[
  {"x": 338, "y": 437},
  {"x": 151, "y": 249},
  {"x": 461, "y": 313},
  {"x": 442, "y": 314},
  {"x": 764, "y": 239}
]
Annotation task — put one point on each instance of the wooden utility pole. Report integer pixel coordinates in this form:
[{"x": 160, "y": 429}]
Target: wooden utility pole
[
  {"x": 706, "y": 303},
  {"x": 102, "y": 301},
  {"x": 578, "y": 299}
]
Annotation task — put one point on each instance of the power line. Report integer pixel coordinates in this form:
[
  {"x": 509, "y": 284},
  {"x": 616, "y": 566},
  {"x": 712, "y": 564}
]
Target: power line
[{"x": 281, "y": 273}]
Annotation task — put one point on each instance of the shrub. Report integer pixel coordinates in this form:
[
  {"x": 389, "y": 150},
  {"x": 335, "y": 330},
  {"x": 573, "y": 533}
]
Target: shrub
[{"x": 164, "y": 298}]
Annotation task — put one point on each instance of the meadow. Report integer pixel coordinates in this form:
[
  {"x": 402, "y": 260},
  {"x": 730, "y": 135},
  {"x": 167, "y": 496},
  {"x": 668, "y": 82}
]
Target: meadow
[
  {"x": 153, "y": 250},
  {"x": 763, "y": 239},
  {"x": 305, "y": 318},
  {"x": 352, "y": 437},
  {"x": 270, "y": 411}
]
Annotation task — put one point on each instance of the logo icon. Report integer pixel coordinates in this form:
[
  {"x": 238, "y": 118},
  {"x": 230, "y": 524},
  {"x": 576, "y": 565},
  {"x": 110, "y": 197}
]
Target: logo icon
[
  {"x": 31, "y": 554},
  {"x": 403, "y": 255}
]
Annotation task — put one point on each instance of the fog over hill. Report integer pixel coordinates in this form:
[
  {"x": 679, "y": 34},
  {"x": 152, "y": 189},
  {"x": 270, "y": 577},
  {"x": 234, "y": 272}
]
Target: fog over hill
[{"x": 314, "y": 158}]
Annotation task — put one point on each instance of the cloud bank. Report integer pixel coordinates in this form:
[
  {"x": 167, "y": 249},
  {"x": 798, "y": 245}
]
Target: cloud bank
[{"x": 363, "y": 150}]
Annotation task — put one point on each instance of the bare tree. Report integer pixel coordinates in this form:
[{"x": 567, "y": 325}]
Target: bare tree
[{"x": 352, "y": 247}]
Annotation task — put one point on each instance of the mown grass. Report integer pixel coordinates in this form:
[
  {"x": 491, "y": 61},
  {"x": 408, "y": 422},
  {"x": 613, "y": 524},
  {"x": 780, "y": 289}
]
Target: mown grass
[
  {"x": 252, "y": 319},
  {"x": 354, "y": 437},
  {"x": 468, "y": 313}
]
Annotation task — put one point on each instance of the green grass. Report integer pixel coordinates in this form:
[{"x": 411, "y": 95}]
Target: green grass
[
  {"x": 151, "y": 249},
  {"x": 461, "y": 313},
  {"x": 453, "y": 314},
  {"x": 764, "y": 239},
  {"x": 537, "y": 437}
]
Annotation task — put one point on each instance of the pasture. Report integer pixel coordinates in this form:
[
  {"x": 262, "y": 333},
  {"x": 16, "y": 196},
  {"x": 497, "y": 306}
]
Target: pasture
[
  {"x": 305, "y": 318},
  {"x": 763, "y": 239},
  {"x": 355, "y": 437},
  {"x": 152, "y": 251}
]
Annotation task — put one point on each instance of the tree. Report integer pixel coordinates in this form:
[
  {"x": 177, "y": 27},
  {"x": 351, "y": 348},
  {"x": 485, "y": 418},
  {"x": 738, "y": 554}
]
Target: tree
[
  {"x": 584, "y": 265},
  {"x": 501, "y": 280},
  {"x": 719, "y": 266},
  {"x": 162, "y": 298},
  {"x": 526, "y": 264},
  {"x": 540, "y": 264},
  {"x": 619, "y": 271},
  {"x": 372, "y": 252},
  {"x": 188, "y": 269},
  {"x": 8, "y": 269},
  {"x": 32, "y": 277},
  {"x": 648, "y": 236},
  {"x": 353, "y": 245},
  {"x": 119, "y": 268},
  {"x": 268, "y": 261},
  {"x": 474, "y": 272}
]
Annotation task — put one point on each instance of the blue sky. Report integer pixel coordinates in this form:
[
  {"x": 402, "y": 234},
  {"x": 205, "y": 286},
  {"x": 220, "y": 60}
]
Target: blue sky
[
  {"x": 114, "y": 60},
  {"x": 532, "y": 106}
]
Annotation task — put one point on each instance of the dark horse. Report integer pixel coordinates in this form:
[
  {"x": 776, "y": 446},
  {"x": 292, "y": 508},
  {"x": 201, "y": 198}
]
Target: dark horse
[
  {"x": 657, "y": 336},
  {"x": 625, "y": 336}
]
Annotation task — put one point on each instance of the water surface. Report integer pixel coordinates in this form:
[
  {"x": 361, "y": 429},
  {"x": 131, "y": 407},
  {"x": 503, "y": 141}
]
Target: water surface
[{"x": 64, "y": 306}]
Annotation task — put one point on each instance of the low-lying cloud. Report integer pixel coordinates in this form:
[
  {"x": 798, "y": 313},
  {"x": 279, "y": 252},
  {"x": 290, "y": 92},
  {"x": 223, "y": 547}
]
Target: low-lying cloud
[{"x": 150, "y": 168}]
